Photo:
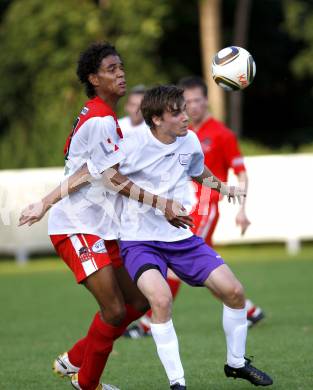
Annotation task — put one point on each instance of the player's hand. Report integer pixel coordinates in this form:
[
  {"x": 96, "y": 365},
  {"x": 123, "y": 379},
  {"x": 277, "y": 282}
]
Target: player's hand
[
  {"x": 176, "y": 214},
  {"x": 235, "y": 193},
  {"x": 32, "y": 213},
  {"x": 242, "y": 221}
]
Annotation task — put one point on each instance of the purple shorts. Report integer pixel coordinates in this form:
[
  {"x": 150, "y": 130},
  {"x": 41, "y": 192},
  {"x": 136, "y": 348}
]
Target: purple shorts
[{"x": 191, "y": 259}]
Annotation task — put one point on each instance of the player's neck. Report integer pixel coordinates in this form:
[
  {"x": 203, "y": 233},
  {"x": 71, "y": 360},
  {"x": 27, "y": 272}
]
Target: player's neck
[
  {"x": 163, "y": 137},
  {"x": 111, "y": 100},
  {"x": 196, "y": 125}
]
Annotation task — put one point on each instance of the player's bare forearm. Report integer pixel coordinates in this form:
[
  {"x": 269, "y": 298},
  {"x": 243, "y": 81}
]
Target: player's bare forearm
[
  {"x": 35, "y": 211},
  {"x": 72, "y": 184},
  {"x": 243, "y": 182},
  {"x": 209, "y": 180},
  {"x": 241, "y": 218}
]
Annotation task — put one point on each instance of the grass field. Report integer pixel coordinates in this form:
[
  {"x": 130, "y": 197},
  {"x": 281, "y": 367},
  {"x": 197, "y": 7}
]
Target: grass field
[{"x": 43, "y": 312}]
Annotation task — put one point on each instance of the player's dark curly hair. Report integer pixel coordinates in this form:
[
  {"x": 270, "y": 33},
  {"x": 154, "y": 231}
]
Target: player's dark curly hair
[
  {"x": 90, "y": 61},
  {"x": 193, "y": 82},
  {"x": 159, "y": 99}
]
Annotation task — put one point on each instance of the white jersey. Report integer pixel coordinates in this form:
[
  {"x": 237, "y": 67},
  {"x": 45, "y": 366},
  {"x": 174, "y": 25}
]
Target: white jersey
[
  {"x": 93, "y": 209},
  {"x": 163, "y": 169},
  {"x": 128, "y": 129}
]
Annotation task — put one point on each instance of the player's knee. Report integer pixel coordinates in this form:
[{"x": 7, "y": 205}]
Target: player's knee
[
  {"x": 114, "y": 313},
  {"x": 162, "y": 303},
  {"x": 236, "y": 296},
  {"x": 141, "y": 305}
]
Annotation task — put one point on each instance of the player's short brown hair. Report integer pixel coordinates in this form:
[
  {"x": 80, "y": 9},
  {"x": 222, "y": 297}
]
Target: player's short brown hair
[{"x": 159, "y": 99}]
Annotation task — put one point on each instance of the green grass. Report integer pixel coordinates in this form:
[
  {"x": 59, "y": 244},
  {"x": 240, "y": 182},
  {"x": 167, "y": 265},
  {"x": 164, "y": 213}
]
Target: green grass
[{"x": 43, "y": 312}]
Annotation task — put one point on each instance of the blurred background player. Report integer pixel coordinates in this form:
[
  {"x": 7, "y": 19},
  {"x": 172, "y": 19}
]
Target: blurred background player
[
  {"x": 221, "y": 153},
  {"x": 134, "y": 119}
]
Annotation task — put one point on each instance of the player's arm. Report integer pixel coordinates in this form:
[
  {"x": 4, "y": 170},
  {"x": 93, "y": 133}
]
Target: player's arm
[
  {"x": 113, "y": 179},
  {"x": 241, "y": 217},
  {"x": 209, "y": 180}
]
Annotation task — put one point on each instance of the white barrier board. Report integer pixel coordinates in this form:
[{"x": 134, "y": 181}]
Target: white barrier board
[{"x": 279, "y": 204}]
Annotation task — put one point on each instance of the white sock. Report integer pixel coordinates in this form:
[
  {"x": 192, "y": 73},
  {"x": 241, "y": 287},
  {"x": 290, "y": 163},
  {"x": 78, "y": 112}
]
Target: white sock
[
  {"x": 166, "y": 342},
  {"x": 235, "y": 328}
]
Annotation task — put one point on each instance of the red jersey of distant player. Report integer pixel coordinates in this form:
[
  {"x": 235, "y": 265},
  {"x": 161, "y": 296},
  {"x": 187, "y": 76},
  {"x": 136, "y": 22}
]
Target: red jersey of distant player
[{"x": 221, "y": 153}]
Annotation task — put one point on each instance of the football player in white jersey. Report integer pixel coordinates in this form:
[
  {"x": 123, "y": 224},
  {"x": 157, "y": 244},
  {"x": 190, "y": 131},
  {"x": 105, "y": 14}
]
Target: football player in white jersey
[{"x": 164, "y": 159}]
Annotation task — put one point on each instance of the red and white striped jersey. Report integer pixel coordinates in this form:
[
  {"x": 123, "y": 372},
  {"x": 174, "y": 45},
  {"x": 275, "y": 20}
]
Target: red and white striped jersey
[{"x": 94, "y": 140}]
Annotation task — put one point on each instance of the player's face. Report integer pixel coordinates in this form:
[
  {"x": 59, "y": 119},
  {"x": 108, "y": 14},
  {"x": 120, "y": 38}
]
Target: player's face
[
  {"x": 175, "y": 123},
  {"x": 196, "y": 104},
  {"x": 110, "y": 78},
  {"x": 132, "y": 107}
]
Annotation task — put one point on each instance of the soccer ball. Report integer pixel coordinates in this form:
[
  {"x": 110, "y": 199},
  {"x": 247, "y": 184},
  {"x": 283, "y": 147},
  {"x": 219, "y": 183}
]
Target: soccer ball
[{"x": 233, "y": 68}]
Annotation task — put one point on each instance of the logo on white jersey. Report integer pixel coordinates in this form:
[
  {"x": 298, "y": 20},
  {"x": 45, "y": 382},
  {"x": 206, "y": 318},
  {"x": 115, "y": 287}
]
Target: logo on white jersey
[
  {"x": 184, "y": 158},
  {"x": 84, "y": 111},
  {"x": 99, "y": 247}
]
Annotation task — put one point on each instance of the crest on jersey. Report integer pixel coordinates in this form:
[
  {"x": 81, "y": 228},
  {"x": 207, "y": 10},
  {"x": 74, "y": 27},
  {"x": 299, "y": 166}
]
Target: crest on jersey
[
  {"x": 85, "y": 254},
  {"x": 84, "y": 111},
  {"x": 184, "y": 158}
]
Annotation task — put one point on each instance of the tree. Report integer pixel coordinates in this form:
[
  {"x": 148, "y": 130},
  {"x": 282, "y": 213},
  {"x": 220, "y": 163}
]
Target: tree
[
  {"x": 39, "y": 94},
  {"x": 210, "y": 36},
  {"x": 136, "y": 27}
]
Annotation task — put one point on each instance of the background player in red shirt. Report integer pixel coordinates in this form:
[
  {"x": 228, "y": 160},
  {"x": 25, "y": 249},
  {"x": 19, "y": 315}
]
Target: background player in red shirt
[{"x": 221, "y": 153}]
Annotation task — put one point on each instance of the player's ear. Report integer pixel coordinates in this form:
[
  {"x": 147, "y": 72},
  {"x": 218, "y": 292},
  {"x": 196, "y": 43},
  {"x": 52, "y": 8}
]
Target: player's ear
[
  {"x": 93, "y": 79},
  {"x": 156, "y": 120}
]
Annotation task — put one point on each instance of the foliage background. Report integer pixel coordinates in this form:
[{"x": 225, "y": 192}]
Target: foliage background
[{"x": 159, "y": 42}]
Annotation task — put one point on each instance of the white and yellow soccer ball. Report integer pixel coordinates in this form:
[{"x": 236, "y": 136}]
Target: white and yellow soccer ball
[{"x": 233, "y": 68}]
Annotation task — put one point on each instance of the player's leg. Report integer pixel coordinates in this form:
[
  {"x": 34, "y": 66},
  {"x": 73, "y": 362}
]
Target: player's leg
[
  {"x": 205, "y": 224},
  {"x": 199, "y": 265},
  {"x": 136, "y": 305},
  {"x": 95, "y": 271},
  {"x": 224, "y": 285},
  {"x": 147, "y": 268},
  {"x": 142, "y": 327},
  {"x": 133, "y": 297},
  {"x": 205, "y": 219},
  {"x": 205, "y": 227}
]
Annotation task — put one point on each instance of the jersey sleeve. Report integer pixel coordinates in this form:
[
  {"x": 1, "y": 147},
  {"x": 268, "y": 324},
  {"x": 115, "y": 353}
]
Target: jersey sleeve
[
  {"x": 103, "y": 148},
  {"x": 196, "y": 166},
  {"x": 233, "y": 155}
]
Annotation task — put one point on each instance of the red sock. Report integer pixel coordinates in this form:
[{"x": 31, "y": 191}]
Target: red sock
[
  {"x": 98, "y": 345},
  {"x": 76, "y": 353},
  {"x": 174, "y": 286},
  {"x": 92, "y": 352}
]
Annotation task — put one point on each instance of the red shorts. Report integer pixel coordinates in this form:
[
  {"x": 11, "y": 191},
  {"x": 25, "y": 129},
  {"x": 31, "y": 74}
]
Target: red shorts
[
  {"x": 85, "y": 253},
  {"x": 206, "y": 224}
]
